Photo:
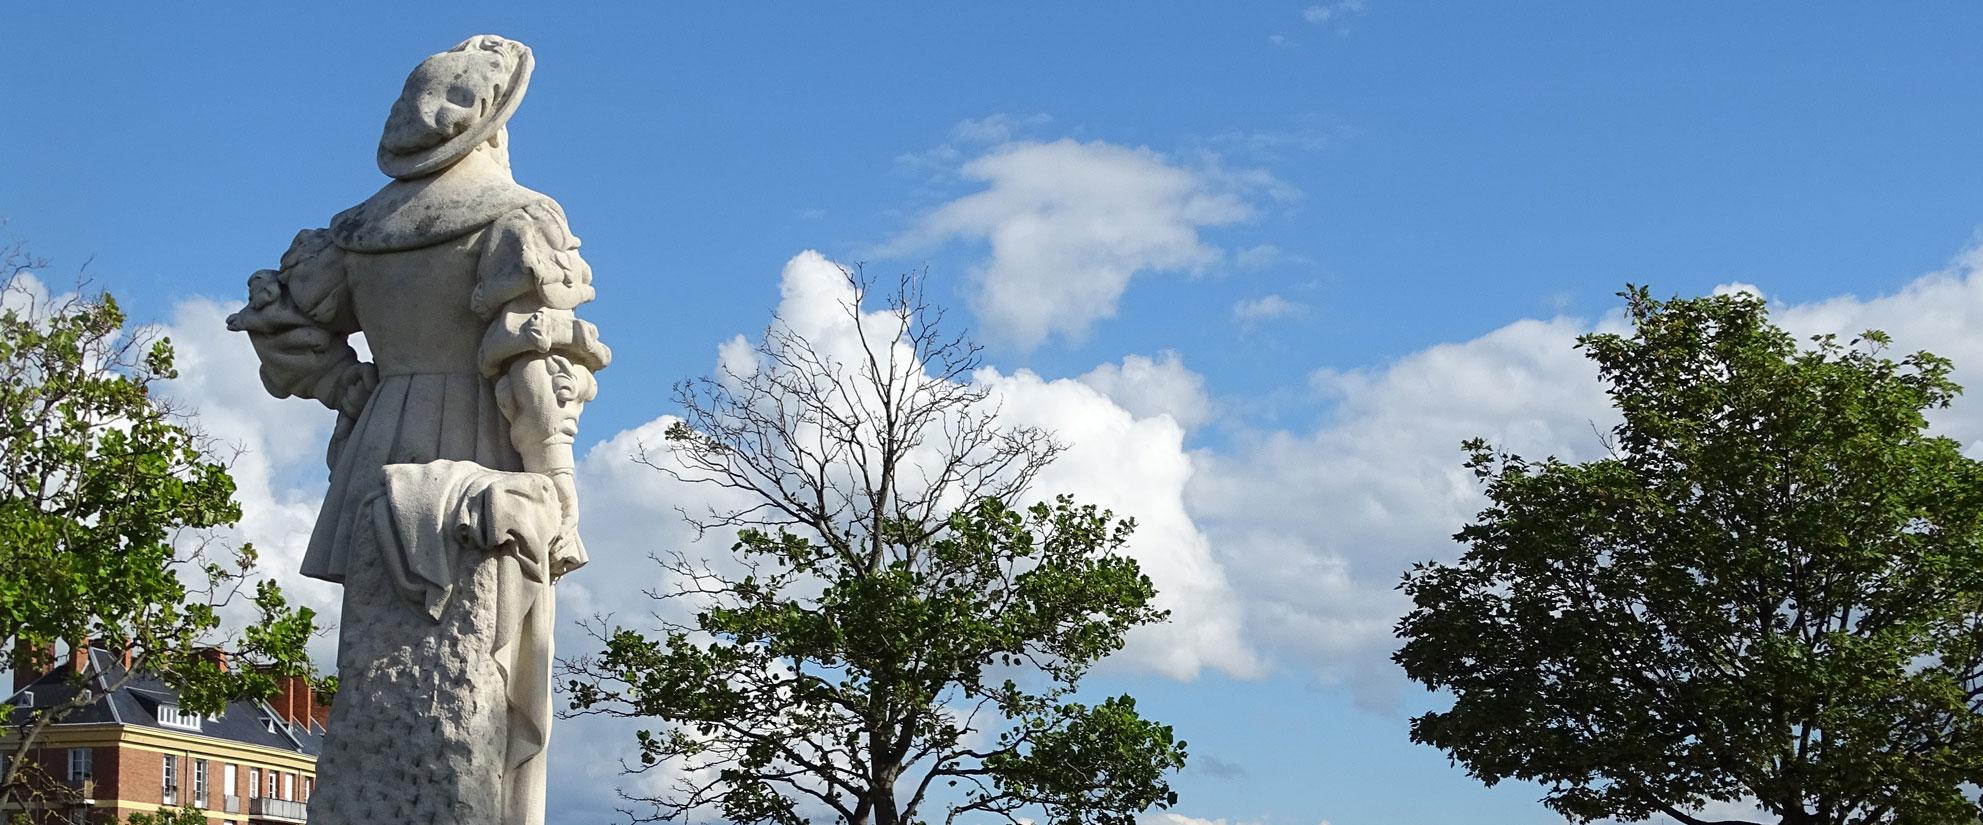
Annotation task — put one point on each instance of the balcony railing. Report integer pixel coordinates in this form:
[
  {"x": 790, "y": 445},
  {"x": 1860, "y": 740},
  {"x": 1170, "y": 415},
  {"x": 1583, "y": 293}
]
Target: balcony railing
[
  {"x": 278, "y": 809},
  {"x": 231, "y": 804}
]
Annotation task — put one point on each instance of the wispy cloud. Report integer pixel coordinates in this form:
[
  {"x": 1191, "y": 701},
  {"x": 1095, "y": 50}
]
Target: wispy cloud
[
  {"x": 1323, "y": 13},
  {"x": 1168, "y": 818},
  {"x": 1266, "y": 255},
  {"x": 1308, "y": 133},
  {"x": 968, "y": 136},
  {"x": 998, "y": 127},
  {"x": 1252, "y": 311},
  {"x": 1217, "y": 768}
]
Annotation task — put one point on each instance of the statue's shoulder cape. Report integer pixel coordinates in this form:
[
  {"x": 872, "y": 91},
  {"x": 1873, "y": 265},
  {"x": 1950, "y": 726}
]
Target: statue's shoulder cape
[{"x": 413, "y": 214}]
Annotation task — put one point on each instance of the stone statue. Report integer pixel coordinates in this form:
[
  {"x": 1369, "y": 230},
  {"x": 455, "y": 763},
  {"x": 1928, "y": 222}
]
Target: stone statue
[{"x": 451, "y": 508}]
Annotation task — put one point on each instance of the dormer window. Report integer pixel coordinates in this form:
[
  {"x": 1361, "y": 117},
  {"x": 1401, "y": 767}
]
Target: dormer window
[{"x": 172, "y": 717}]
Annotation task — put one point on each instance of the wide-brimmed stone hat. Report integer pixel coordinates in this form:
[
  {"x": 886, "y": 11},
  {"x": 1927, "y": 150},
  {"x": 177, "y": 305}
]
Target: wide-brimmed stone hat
[{"x": 451, "y": 103}]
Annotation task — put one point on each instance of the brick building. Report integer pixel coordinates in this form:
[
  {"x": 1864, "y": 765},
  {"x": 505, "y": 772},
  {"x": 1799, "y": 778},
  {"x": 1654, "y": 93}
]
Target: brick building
[{"x": 133, "y": 750}]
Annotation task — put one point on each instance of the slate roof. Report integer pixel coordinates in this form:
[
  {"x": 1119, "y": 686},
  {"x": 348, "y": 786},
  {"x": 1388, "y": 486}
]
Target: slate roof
[{"x": 137, "y": 700}]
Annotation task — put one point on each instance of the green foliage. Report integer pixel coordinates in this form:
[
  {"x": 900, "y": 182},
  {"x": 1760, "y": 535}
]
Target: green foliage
[
  {"x": 1772, "y": 589},
  {"x": 862, "y": 658},
  {"x": 185, "y": 815},
  {"x": 104, "y": 494},
  {"x": 325, "y": 689}
]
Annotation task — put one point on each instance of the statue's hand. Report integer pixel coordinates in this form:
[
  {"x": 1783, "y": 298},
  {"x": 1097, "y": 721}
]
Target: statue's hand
[
  {"x": 302, "y": 360},
  {"x": 355, "y": 388},
  {"x": 296, "y": 342},
  {"x": 567, "y": 554}
]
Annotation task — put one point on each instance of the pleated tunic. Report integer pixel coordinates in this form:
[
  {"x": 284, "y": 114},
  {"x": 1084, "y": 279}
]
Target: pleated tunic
[{"x": 442, "y": 320}]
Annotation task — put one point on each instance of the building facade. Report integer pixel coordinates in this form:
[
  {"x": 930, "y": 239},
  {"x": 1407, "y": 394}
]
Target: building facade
[{"x": 132, "y": 749}]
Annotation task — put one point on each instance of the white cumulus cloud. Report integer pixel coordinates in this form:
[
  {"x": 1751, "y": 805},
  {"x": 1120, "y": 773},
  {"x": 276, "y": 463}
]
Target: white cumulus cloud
[
  {"x": 1070, "y": 223},
  {"x": 1148, "y": 387},
  {"x": 1137, "y": 467}
]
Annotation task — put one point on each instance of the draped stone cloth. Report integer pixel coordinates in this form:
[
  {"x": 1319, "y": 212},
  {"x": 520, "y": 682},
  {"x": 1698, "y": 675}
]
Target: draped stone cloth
[{"x": 449, "y": 586}]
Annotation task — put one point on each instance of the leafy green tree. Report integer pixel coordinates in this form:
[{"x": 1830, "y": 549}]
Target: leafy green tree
[
  {"x": 1770, "y": 591},
  {"x": 106, "y": 500},
  {"x": 184, "y": 815},
  {"x": 895, "y": 638}
]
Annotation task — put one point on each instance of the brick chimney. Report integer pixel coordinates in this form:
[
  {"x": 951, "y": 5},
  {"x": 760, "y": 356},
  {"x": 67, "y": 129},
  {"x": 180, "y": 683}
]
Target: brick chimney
[
  {"x": 30, "y": 662},
  {"x": 295, "y": 701},
  {"x": 79, "y": 656},
  {"x": 216, "y": 656}
]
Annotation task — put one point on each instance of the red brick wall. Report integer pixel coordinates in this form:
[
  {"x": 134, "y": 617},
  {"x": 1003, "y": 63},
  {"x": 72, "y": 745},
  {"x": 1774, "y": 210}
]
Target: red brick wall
[
  {"x": 109, "y": 764},
  {"x": 54, "y": 762},
  {"x": 140, "y": 775}
]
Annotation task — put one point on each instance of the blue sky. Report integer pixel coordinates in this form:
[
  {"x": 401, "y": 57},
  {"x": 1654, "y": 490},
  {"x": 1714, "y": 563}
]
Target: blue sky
[{"x": 1320, "y": 243}]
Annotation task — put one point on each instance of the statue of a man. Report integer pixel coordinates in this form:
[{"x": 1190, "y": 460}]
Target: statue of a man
[{"x": 451, "y": 507}]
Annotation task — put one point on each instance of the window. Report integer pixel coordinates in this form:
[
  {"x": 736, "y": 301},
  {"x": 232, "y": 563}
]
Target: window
[
  {"x": 309, "y": 784},
  {"x": 172, "y": 717},
  {"x": 271, "y": 788},
  {"x": 169, "y": 794},
  {"x": 289, "y": 786},
  {"x": 79, "y": 764},
  {"x": 27, "y": 698},
  {"x": 227, "y": 780},
  {"x": 254, "y": 782},
  {"x": 199, "y": 783}
]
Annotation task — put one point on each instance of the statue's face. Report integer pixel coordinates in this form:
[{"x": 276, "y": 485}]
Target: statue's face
[{"x": 443, "y": 97}]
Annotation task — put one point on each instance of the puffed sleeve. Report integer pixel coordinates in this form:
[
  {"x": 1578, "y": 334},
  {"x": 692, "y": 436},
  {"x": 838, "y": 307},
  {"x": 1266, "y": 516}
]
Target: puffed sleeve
[
  {"x": 299, "y": 317},
  {"x": 529, "y": 282},
  {"x": 537, "y": 350}
]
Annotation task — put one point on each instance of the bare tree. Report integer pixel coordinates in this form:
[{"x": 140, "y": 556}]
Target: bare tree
[{"x": 896, "y": 633}]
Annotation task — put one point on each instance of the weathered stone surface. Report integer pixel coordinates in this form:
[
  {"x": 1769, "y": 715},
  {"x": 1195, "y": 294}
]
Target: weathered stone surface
[{"x": 451, "y": 508}]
